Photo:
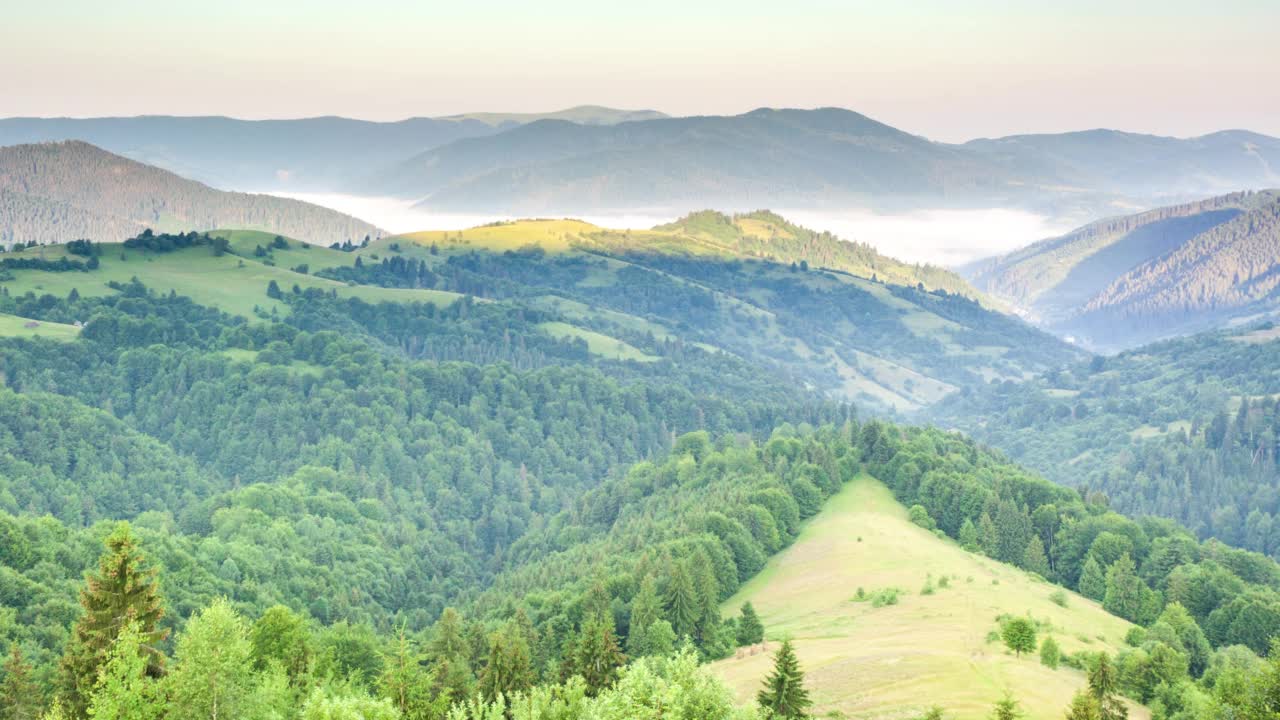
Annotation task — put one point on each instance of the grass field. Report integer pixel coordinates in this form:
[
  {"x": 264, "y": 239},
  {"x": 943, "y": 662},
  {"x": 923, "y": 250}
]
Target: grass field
[
  {"x": 14, "y": 326},
  {"x": 233, "y": 284},
  {"x": 896, "y": 661},
  {"x": 597, "y": 344}
]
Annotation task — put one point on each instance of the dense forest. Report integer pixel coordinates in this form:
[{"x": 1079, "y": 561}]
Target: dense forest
[
  {"x": 358, "y": 509},
  {"x": 1128, "y": 427}
]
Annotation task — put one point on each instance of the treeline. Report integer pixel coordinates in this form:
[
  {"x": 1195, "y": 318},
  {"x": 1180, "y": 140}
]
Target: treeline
[{"x": 1127, "y": 427}]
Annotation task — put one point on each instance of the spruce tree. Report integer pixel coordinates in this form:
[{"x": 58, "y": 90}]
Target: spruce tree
[
  {"x": 1123, "y": 596},
  {"x": 1093, "y": 580},
  {"x": 123, "y": 591},
  {"x": 1104, "y": 688},
  {"x": 682, "y": 602},
  {"x": 645, "y": 610},
  {"x": 1050, "y": 653},
  {"x": 19, "y": 695},
  {"x": 988, "y": 539},
  {"x": 968, "y": 537},
  {"x": 1007, "y": 709},
  {"x": 450, "y": 655},
  {"x": 597, "y": 657},
  {"x": 750, "y": 629},
  {"x": 508, "y": 670},
  {"x": 707, "y": 591},
  {"x": 784, "y": 694},
  {"x": 1034, "y": 559}
]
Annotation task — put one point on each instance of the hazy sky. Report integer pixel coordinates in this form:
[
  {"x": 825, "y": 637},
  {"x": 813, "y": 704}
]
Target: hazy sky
[{"x": 947, "y": 69}]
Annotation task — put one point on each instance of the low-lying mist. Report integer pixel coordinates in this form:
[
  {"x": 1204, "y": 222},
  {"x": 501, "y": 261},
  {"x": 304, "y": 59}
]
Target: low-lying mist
[{"x": 940, "y": 237}]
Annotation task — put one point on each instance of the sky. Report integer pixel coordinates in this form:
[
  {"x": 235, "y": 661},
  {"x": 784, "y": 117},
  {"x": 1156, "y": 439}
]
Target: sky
[{"x": 945, "y": 69}]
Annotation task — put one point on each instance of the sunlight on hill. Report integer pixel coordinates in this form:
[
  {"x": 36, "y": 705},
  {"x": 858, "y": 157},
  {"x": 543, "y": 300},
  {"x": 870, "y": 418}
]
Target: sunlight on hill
[{"x": 927, "y": 649}]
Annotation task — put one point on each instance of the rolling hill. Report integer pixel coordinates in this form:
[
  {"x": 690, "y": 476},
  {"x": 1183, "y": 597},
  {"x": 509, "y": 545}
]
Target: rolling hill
[
  {"x": 834, "y": 316},
  {"x": 310, "y": 154},
  {"x": 863, "y": 661},
  {"x": 827, "y": 157},
  {"x": 58, "y": 192},
  {"x": 581, "y": 114},
  {"x": 1123, "y": 281}
]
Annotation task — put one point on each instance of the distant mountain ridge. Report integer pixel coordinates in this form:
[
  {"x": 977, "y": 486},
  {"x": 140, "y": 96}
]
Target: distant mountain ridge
[
  {"x": 828, "y": 157},
  {"x": 581, "y": 114},
  {"x": 1174, "y": 270},
  {"x": 56, "y": 192}
]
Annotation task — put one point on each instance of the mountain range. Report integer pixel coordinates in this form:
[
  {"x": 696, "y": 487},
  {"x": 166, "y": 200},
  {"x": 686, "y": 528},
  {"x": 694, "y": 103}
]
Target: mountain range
[
  {"x": 62, "y": 191},
  {"x": 594, "y": 159},
  {"x": 1122, "y": 281}
]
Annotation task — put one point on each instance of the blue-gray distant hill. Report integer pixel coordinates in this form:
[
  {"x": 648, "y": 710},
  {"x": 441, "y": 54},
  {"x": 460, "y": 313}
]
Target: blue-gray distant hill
[
  {"x": 56, "y": 192},
  {"x": 307, "y": 154},
  {"x": 1123, "y": 281},
  {"x": 819, "y": 158}
]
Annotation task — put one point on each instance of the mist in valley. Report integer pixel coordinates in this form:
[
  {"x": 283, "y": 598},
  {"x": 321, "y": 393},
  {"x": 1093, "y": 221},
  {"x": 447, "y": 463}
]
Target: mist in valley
[{"x": 946, "y": 237}]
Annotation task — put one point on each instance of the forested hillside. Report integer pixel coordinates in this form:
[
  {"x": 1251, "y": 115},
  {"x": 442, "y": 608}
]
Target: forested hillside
[
  {"x": 1186, "y": 429},
  {"x": 751, "y": 291},
  {"x": 59, "y": 192},
  {"x": 1123, "y": 281}
]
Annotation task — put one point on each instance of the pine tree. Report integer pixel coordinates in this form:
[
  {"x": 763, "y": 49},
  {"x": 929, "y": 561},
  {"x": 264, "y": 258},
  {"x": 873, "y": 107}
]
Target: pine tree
[
  {"x": 597, "y": 656},
  {"x": 1093, "y": 581},
  {"x": 1104, "y": 688},
  {"x": 19, "y": 695},
  {"x": 1034, "y": 559},
  {"x": 645, "y": 611},
  {"x": 1050, "y": 653},
  {"x": 707, "y": 591},
  {"x": 750, "y": 629},
  {"x": 968, "y": 537},
  {"x": 450, "y": 655},
  {"x": 784, "y": 694},
  {"x": 1084, "y": 707},
  {"x": 1123, "y": 596},
  {"x": 212, "y": 677},
  {"x": 123, "y": 591},
  {"x": 508, "y": 670},
  {"x": 988, "y": 540},
  {"x": 123, "y": 690},
  {"x": 407, "y": 685},
  {"x": 682, "y": 602},
  {"x": 1007, "y": 709}
]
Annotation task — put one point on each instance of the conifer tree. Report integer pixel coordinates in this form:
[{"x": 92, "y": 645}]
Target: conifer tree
[
  {"x": 784, "y": 694},
  {"x": 1084, "y": 707},
  {"x": 124, "y": 690},
  {"x": 682, "y": 602},
  {"x": 988, "y": 539},
  {"x": 19, "y": 695},
  {"x": 450, "y": 655},
  {"x": 750, "y": 629},
  {"x": 407, "y": 684},
  {"x": 508, "y": 670},
  {"x": 1104, "y": 688},
  {"x": 707, "y": 590},
  {"x": 1007, "y": 709},
  {"x": 1093, "y": 581},
  {"x": 1123, "y": 595},
  {"x": 968, "y": 536},
  {"x": 645, "y": 611},
  {"x": 597, "y": 657},
  {"x": 123, "y": 591},
  {"x": 1034, "y": 559},
  {"x": 1050, "y": 653}
]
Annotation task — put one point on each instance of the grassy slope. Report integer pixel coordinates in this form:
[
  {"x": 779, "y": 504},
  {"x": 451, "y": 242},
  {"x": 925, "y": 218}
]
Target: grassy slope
[
  {"x": 14, "y": 326},
  {"x": 863, "y": 661},
  {"x": 230, "y": 283}
]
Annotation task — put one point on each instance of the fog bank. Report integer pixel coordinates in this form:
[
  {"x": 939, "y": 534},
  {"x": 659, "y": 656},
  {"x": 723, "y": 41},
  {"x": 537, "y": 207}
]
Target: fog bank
[{"x": 940, "y": 237}]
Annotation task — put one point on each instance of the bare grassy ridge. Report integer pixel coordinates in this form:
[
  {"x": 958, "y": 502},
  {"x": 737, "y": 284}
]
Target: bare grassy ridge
[{"x": 897, "y": 660}]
